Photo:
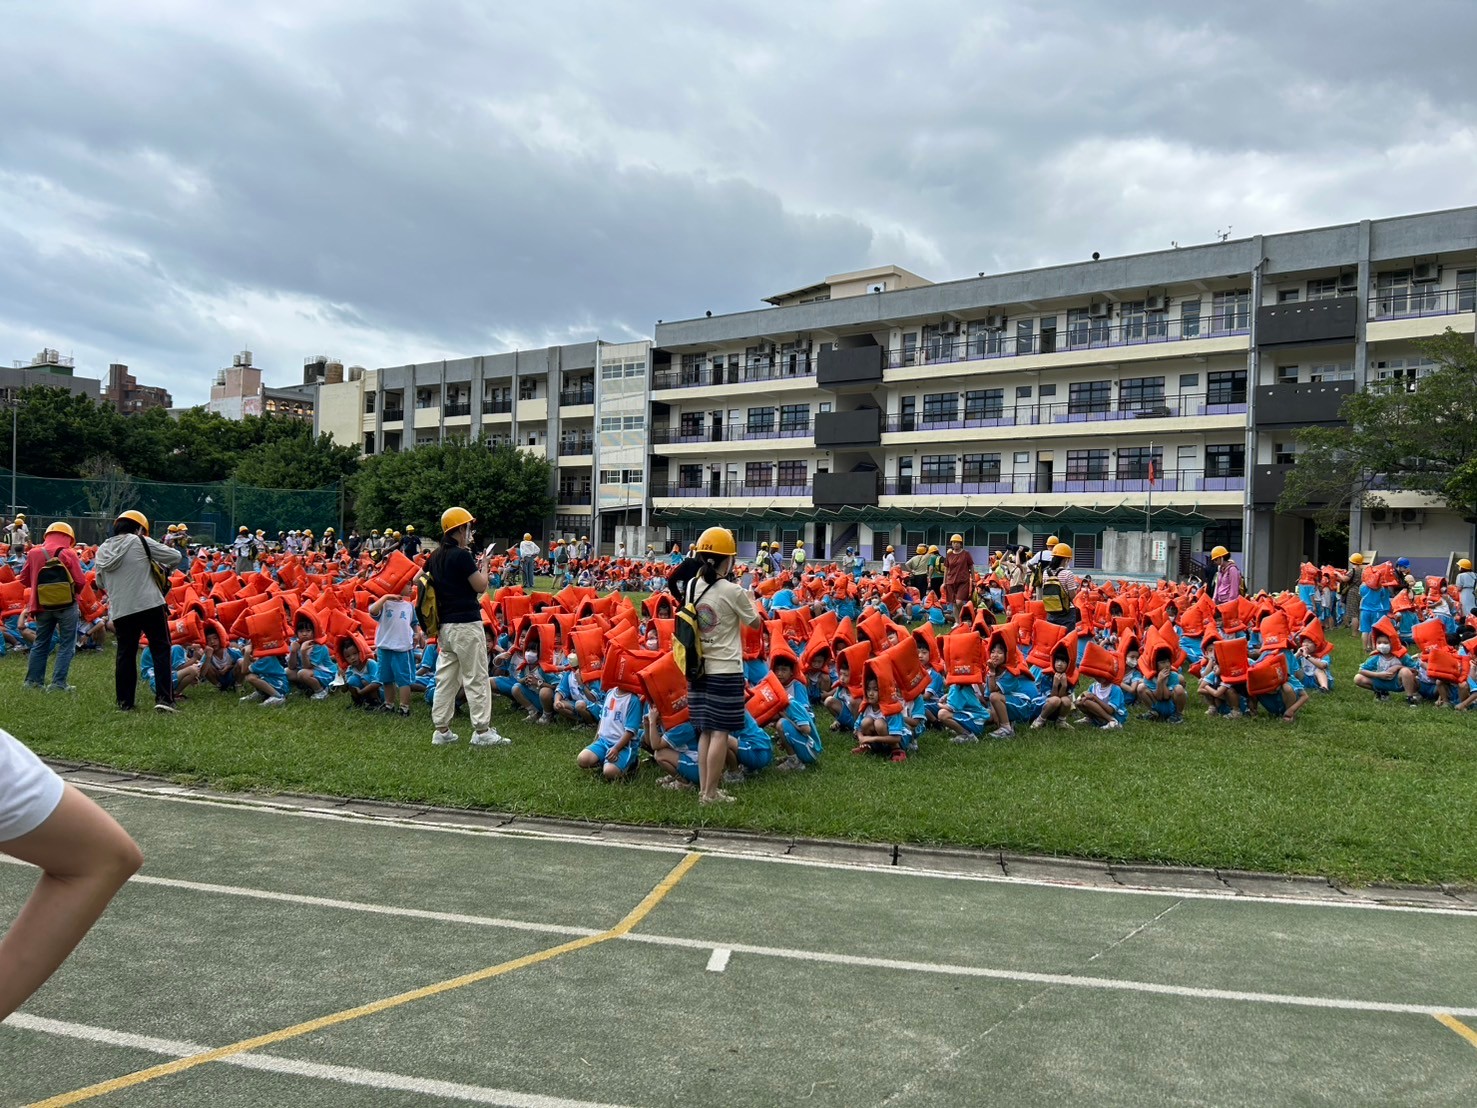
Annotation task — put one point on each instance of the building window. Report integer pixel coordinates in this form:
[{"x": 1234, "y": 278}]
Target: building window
[
  {"x": 369, "y": 398},
  {"x": 1222, "y": 532},
  {"x": 1466, "y": 290},
  {"x": 527, "y": 388},
  {"x": 1046, "y": 390},
  {"x": 910, "y": 348},
  {"x": 1189, "y": 380},
  {"x": 424, "y": 398},
  {"x": 983, "y": 404},
  {"x": 1083, "y": 330},
  {"x": 941, "y": 407},
  {"x": 1024, "y": 331},
  {"x": 937, "y": 469},
  {"x": 692, "y": 425},
  {"x": 984, "y": 341},
  {"x": 1335, "y": 371},
  {"x": 794, "y": 417},
  {"x": 1289, "y": 296},
  {"x": 692, "y": 369},
  {"x": 1284, "y": 453},
  {"x": 1131, "y": 312},
  {"x": 792, "y": 475},
  {"x": 981, "y": 468},
  {"x": 1087, "y": 465},
  {"x": 1227, "y": 460},
  {"x": 1227, "y": 386},
  {"x": 1323, "y": 288},
  {"x": 1133, "y": 462},
  {"x": 1023, "y": 392},
  {"x": 1401, "y": 372},
  {"x": 1190, "y": 318},
  {"x": 758, "y": 475},
  {"x": 1287, "y": 375},
  {"x": 938, "y": 346},
  {"x": 690, "y": 477},
  {"x": 1087, "y": 397},
  {"x": 1141, "y": 394},
  {"x": 761, "y": 421},
  {"x": 1230, "y": 311}
]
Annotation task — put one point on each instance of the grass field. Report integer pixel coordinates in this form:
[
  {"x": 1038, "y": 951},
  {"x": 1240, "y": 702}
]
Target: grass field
[{"x": 1357, "y": 790}]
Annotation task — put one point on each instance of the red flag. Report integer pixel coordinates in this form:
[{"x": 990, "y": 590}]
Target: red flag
[{"x": 1151, "y": 471}]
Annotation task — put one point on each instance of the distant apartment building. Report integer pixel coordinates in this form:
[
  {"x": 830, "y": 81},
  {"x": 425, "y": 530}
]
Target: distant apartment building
[
  {"x": 1142, "y": 408},
  {"x": 542, "y": 401},
  {"x": 46, "y": 369},
  {"x": 125, "y": 394},
  {"x": 238, "y": 392}
]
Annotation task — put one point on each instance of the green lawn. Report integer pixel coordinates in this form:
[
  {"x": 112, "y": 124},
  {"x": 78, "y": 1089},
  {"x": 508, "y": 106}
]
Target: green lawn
[{"x": 1358, "y": 790}]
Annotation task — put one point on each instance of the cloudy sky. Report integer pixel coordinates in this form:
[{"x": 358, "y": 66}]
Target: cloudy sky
[{"x": 388, "y": 182}]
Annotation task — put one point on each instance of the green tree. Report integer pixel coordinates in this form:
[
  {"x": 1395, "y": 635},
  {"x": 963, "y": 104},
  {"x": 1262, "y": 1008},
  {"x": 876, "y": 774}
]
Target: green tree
[
  {"x": 1420, "y": 438},
  {"x": 506, "y": 489},
  {"x": 296, "y": 461},
  {"x": 60, "y": 432}
]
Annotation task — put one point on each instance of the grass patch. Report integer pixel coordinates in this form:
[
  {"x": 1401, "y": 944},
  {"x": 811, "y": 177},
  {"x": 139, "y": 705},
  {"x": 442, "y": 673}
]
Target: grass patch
[{"x": 1357, "y": 790}]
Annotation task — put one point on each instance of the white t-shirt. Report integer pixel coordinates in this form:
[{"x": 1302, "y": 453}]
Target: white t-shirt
[
  {"x": 29, "y": 790},
  {"x": 396, "y": 630},
  {"x": 527, "y": 548}
]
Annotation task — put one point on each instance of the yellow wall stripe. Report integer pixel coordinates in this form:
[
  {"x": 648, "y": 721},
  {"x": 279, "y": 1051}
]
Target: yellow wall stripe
[{"x": 179, "y": 1065}]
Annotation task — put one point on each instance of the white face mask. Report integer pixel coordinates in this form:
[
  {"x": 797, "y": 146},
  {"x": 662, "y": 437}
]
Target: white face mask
[
  {"x": 1383, "y": 647},
  {"x": 530, "y": 656}
]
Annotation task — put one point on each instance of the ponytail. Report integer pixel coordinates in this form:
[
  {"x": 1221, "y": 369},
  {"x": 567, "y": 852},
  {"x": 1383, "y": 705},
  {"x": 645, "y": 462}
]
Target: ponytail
[{"x": 708, "y": 570}]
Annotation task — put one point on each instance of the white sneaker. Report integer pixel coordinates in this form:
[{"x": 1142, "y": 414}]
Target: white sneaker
[
  {"x": 321, "y": 694},
  {"x": 490, "y": 737},
  {"x": 251, "y": 698},
  {"x": 274, "y": 702},
  {"x": 443, "y": 738}
]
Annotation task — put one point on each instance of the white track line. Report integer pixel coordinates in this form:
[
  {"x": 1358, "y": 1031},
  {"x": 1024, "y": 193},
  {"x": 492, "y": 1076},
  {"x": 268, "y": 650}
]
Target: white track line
[
  {"x": 719, "y": 960},
  {"x": 738, "y": 852},
  {"x": 825, "y": 957},
  {"x": 271, "y": 1063}
]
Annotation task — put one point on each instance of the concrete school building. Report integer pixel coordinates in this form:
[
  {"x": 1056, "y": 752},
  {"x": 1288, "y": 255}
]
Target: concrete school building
[{"x": 1143, "y": 408}]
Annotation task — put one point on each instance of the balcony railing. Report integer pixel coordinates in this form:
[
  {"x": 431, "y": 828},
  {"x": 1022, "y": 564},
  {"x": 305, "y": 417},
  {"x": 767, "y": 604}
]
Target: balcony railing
[
  {"x": 1408, "y": 303},
  {"x": 990, "y": 484},
  {"x": 458, "y": 409},
  {"x": 706, "y": 376},
  {"x": 583, "y": 395},
  {"x": 1034, "y": 414},
  {"x": 574, "y": 447},
  {"x": 394, "y": 415},
  {"x": 1092, "y": 336},
  {"x": 732, "y": 489},
  {"x": 496, "y": 407},
  {"x": 664, "y": 436}
]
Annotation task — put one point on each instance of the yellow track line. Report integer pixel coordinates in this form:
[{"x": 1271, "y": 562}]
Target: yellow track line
[
  {"x": 625, "y": 926},
  {"x": 1458, "y": 1026}
]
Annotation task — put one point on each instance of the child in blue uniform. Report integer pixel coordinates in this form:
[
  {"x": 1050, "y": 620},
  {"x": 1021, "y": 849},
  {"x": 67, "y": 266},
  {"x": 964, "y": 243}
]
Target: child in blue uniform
[
  {"x": 361, "y": 677},
  {"x": 964, "y": 712},
  {"x": 309, "y": 664},
  {"x": 1384, "y": 672},
  {"x": 1165, "y": 696},
  {"x": 879, "y": 733},
  {"x": 265, "y": 677},
  {"x": 1059, "y": 689},
  {"x": 1013, "y": 699},
  {"x": 617, "y": 746},
  {"x": 182, "y": 673},
  {"x": 1104, "y": 705},
  {"x": 839, "y": 703},
  {"x": 798, "y": 729},
  {"x": 752, "y": 745},
  {"x": 572, "y": 699},
  {"x": 217, "y": 666},
  {"x": 394, "y": 640}
]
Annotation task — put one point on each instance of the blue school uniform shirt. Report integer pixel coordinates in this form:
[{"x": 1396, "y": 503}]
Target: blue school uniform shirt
[
  {"x": 1114, "y": 698},
  {"x": 361, "y": 678},
  {"x": 782, "y": 601},
  {"x": 799, "y": 711},
  {"x": 1022, "y": 697},
  {"x": 177, "y": 659},
  {"x": 272, "y": 671},
  {"x": 320, "y": 661},
  {"x": 1373, "y": 600}
]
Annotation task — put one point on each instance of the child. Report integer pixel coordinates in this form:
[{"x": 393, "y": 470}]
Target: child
[
  {"x": 393, "y": 641},
  {"x": 309, "y": 665},
  {"x": 616, "y": 748},
  {"x": 1165, "y": 697},
  {"x": 839, "y": 703},
  {"x": 1013, "y": 699},
  {"x": 878, "y": 733},
  {"x": 533, "y": 691},
  {"x": 1104, "y": 705},
  {"x": 361, "y": 677},
  {"x": 266, "y": 677},
  {"x": 1286, "y": 702},
  {"x": 1312, "y": 670},
  {"x": 1385, "y": 672},
  {"x": 572, "y": 699},
  {"x": 752, "y": 746},
  {"x": 964, "y": 712},
  {"x": 798, "y": 730},
  {"x": 183, "y": 673},
  {"x": 1059, "y": 701},
  {"x": 218, "y": 664}
]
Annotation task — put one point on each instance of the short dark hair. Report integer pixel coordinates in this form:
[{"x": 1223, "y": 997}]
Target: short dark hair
[{"x": 125, "y": 526}]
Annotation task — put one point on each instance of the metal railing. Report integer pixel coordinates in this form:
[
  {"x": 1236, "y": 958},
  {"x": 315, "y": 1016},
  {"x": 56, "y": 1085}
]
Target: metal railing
[
  {"x": 992, "y": 484},
  {"x": 574, "y": 447},
  {"x": 458, "y": 409},
  {"x": 665, "y": 436},
  {"x": 394, "y": 415},
  {"x": 706, "y": 376},
  {"x": 496, "y": 407},
  {"x": 738, "y": 488},
  {"x": 584, "y": 395},
  {"x": 1065, "y": 411},
  {"x": 1091, "y": 335},
  {"x": 1421, "y": 300}
]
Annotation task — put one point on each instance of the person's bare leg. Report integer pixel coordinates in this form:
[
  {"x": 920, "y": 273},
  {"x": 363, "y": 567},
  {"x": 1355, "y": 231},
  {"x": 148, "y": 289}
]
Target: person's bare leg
[{"x": 85, "y": 858}]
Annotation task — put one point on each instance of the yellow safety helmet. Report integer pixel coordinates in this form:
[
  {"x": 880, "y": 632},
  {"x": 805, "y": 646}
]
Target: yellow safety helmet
[
  {"x": 1061, "y": 550},
  {"x": 889, "y": 550},
  {"x": 1464, "y": 563},
  {"x": 243, "y": 530},
  {"x": 326, "y": 530},
  {"x": 453, "y": 518},
  {"x": 921, "y": 549},
  {"x": 410, "y": 528},
  {"x": 956, "y": 538},
  {"x": 395, "y": 534},
  {"x": 1218, "y": 552},
  {"x": 60, "y": 528},
  {"x": 716, "y": 540},
  {"x": 799, "y": 546},
  {"x": 1052, "y": 540},
  {"x": 308, "y": 531},
  {"x": 584, "y": 538},
  {"x": 933, "y": 550},
  {"x": 133, "y": 514},
  {"x": 20, "y": 517},
  {"x": 259, "y": 532},
  {"x": 527, "y": 537},
  {"x": 1356, "y": 559}
]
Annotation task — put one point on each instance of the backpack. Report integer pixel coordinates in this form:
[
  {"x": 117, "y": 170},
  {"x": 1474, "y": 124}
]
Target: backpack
[
  {"x": 55, "y": 589},
  {"x": 687, "y": 635},
  {"x": 426, "y": 610},
  {"x": 1054, "y": 597}
]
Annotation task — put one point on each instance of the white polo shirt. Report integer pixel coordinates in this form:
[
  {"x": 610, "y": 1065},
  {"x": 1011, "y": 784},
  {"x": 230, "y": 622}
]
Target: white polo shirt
[{"x": 29, "y": 790}]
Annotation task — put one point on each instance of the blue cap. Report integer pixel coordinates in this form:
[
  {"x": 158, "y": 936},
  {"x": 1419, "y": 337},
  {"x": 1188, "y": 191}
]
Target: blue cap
[{"x": 1403, "y": 563}]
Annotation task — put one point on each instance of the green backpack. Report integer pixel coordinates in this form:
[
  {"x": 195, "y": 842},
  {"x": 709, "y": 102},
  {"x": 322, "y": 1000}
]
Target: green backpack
[
  {"x": 687, "y": 635},
  {"x": 426, "y": 611}
]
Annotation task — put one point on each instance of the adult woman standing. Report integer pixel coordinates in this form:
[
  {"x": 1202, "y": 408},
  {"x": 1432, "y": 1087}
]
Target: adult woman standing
[
  {"x": 716, "y": 699},
  {"x": 136, "y": 606},
  {"x": 461, "y": 649}
]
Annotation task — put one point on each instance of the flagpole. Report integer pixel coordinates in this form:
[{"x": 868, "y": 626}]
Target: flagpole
[{"x": 1149, "y": 501}]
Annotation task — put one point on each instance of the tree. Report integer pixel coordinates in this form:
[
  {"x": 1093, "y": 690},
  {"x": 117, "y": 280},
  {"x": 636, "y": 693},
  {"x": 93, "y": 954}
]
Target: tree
[
  {"x": 298, "y": 461},
  {"x": 506, "y": 489},
  {"x": 1416, "y": 437},
  {"x": 108, "y": 487},
  {"x": 59, "y": 432}
]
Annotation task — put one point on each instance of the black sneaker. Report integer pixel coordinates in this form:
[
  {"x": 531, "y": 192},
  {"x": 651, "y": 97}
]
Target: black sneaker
[
  {"x": 404, "y": 712},
  {"x": 1412, "y": 702},
  {"x": 1382, "y": 696}
]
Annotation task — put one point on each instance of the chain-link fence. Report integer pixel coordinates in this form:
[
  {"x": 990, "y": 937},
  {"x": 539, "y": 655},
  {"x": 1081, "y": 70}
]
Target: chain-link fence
[{"x": 211, "y": 511}]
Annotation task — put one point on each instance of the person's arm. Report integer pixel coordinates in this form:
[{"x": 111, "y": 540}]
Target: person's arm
[
  {"x": 166, "y": 556},
  {"x": 377, "y": 607}
]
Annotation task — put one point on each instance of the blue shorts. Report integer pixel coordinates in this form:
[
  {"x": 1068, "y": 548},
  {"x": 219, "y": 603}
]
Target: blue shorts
[
  {"x": 1387, "y": 685},
  {"x": 1367, "y": 620},
  {"x": 1163, "y": 708},
  {"x": 395, "y": 667},
  {"x": 625, "y": 761},
  {"x": 1273, "y": 703},
  {"x": 970, "y": 721},
  {"x": 755, "y": 757}
]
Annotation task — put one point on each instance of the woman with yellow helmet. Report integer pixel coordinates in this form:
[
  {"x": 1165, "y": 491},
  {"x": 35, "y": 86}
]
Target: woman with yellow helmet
[
  {"x": 459, "y": 580},
  {"x": 125, "y": 567}
]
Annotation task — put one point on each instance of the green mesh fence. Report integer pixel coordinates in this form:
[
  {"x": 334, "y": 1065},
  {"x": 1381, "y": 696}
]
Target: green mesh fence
[{"x": 211, "y": 511}]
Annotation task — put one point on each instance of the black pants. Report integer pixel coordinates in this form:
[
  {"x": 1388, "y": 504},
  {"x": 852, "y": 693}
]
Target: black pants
[{"x": 153, "y": 622}]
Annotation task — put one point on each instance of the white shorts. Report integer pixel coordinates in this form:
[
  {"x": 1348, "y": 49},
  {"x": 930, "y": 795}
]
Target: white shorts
[{"x": 29, "y": 790}]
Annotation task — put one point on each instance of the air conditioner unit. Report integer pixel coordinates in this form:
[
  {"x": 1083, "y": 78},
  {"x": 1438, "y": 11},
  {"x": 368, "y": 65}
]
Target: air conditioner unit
[
  {"x": 1101, "y": 310},
  {"x": 1410, "y": 517},
  {"x": 1378, "y": 515},
  {"x": 1348, "y": 282},
  {"x": 949, "y": 327},
  {"x": 995, "y": 322},
  {"x": 1155, "y": 303},
  {"x": 766, "y": 348},
  {"x": 1425, "y": 273}
]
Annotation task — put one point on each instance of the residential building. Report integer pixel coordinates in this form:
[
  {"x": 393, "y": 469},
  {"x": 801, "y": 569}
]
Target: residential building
[
  {"x": 46, "y": 369},
  {"x": 238, "y": 392},
  {"x": 1141, "y": 408},
  {"x": 126, "y": 395},
  {"x": 542, "y": 401}
]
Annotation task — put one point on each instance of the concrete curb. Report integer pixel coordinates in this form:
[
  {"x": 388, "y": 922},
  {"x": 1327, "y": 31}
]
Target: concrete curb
[{"x": 1080, "y": 872}]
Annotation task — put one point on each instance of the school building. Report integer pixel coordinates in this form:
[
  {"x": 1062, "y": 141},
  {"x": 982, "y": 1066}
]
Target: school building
[
  {"x": 1143, "y": 408},
  {"x": 543, "y": 401}
]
